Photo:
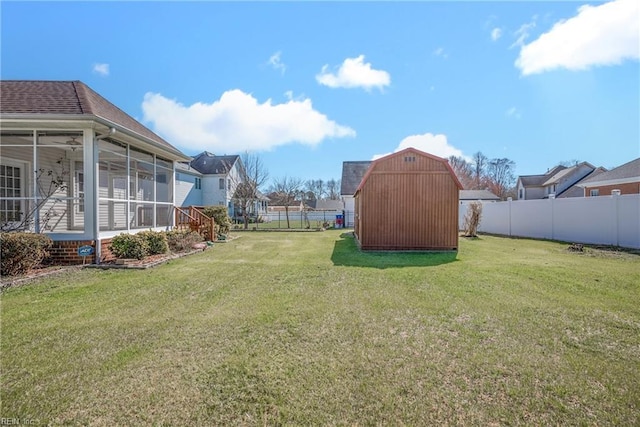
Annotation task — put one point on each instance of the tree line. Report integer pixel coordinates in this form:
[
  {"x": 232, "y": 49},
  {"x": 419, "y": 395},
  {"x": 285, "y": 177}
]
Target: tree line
[{"x": 481, "y": 173}]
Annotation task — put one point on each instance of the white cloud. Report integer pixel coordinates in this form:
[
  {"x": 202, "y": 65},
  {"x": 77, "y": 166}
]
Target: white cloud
[
  {"x": 238, "y": 122},
  {"x": 496, "y": 33},
  {"x": 513, "y": 113},
  {"x": 276, "y": 62},
  {"x": 102, "y": 69},
  {"x": 354, "y": 72},
  {"x": 522, "y": 33},
  {"x": 441, "y": 53},
  {"x": 605, "y": 34},
  {"x": 429, "y": 143}
]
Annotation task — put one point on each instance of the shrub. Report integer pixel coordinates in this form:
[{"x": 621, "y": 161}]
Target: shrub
[
  {"x": 129, "y": 246},
  {"x": 472, "y": 219},
  {"x": 22, "y": 252},
  {"x": 182, "y": 240},
  {"x": 220, "y": 216},
  {"x": 156, "y": 241}
]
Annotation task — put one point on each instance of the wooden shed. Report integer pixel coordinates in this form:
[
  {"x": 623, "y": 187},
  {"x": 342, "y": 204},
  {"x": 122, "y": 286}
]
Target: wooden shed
[{"x": 408, "y": 201}]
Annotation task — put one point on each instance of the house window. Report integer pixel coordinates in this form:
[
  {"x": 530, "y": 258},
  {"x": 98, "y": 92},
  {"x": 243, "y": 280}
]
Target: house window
[
  {"x": 221, "y": 184},
  {"x": 10, "y": 186},
  {"x": 521, "y": 193},
  {"x": 228, "y": 184},
  {"x": 198, "y": 184},
  {"x": 595, "y": 192},
  {"x": 410, "y": 159}
]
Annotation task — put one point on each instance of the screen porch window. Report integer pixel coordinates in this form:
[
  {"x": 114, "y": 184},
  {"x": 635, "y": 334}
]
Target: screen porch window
[{"x": 10, "y": 187}]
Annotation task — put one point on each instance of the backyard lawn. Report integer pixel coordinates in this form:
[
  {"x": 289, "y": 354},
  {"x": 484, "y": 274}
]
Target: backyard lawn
[{"x": 302, "y": 329}]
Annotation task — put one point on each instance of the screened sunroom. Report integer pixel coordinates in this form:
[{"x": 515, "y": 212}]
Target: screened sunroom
[{"x": 83, "y": 175}]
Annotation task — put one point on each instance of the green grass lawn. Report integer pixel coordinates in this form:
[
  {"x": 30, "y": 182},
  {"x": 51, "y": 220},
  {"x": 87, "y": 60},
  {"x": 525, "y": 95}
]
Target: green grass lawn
[{"x": 303, "y": 329}]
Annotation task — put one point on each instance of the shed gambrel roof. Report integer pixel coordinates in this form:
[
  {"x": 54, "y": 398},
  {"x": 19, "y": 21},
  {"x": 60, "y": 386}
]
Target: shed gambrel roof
[
  {"x": 209, "y": 164},
  {"x": 402, "y": 153},
  {"x": 25, "y": 99},
  {"x": 352, "y": 174},
  {"x": 628, "y": 172}
]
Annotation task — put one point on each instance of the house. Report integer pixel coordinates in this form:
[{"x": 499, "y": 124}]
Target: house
[
  {"x": 220, "y": 175},
  {"x": 624, "y": 179},
  {"x": 557, "y": 182},
  {"x": 77, "y": 168},
  {"x": 408, "y": 201},
  {"x": 468, "y": 196},
  {"x": 352, "y": 174}
]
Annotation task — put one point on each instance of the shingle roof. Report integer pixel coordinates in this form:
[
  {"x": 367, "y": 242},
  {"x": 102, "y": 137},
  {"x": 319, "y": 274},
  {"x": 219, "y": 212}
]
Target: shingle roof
[
  {"x": 557, "y": 177},
  {"x": 477, "y": 195},
  {"x": 352, "y": 174},
  {"x": 41, "y": 97},
  {"x": 210, "y": 164},
  {"x": 540, "y": 180},
  {"x": 628, "y": 170}
]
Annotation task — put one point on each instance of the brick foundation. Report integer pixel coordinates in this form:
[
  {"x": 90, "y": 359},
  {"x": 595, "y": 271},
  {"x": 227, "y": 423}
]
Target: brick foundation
[
  {"x": 105, "y": 253},
  {"x": 66, "y": 252}
]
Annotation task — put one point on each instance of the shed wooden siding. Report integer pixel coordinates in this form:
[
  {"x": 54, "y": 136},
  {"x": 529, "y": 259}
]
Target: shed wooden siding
[{"x": 408, "y": 204}]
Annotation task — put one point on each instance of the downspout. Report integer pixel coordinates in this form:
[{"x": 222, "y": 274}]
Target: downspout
[{"x": 96, "y": 203}]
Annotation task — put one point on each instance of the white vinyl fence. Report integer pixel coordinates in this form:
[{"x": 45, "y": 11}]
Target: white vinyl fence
[{"x": 605, "y": 220}]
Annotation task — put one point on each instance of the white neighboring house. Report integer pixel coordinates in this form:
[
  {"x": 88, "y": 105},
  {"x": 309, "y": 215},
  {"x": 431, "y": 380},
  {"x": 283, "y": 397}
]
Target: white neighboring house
[
  {"x": 214, "y": 178},
  {"x": 352, "y": 174}
]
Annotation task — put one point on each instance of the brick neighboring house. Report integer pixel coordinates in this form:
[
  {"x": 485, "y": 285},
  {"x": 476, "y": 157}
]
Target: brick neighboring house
[
  {"x": 624, "y": 179},
  {"x": 559, "y": 182}
]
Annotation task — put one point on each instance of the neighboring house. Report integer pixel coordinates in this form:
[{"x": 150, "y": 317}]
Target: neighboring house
[
  {"x": 624, "y": 179},
  {"x": 408, "y": 201},
  {"x": 220, "y": 177},
  {"x": 467, "y": 196},
  {"x": 352, "y": 174},
  {"x": 325, "y": 205},
  {"x": 554, "y": 183},
  {"x": 115, "y": 175},
  {"x": 188, "y": 186}
]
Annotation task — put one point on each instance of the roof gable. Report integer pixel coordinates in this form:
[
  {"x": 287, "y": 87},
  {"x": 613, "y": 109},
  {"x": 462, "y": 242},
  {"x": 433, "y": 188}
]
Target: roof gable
[
  {"x": 43, "y": 97},
  {"x": 627, "y": 171},
  {"x": 403, "y": 153},
  {"x": 209, "y": 164},
  {"x": 352, "y": 174}
]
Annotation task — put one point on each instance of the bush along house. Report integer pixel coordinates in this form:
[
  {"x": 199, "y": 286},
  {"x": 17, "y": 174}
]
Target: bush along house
[{"x": 75, "y": 167}]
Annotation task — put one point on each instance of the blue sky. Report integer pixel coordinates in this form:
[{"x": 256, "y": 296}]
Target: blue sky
[{"x": 310, "y": 85}]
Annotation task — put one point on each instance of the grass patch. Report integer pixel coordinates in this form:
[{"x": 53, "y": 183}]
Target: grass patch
[{"x": 303, "y": 329}]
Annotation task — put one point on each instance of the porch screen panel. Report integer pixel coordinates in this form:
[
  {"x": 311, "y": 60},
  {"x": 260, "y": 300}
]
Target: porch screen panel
[
  {"x": 59, "y": 155},
  {"x": 16, "y": 185},
  {"x": 112, "y": 215},
  {"x": 164, "y": 181},
  {"x": 113, "y": 183},
  {"x": 142, "y": 215},
  {"x": 164, "y": 214}
]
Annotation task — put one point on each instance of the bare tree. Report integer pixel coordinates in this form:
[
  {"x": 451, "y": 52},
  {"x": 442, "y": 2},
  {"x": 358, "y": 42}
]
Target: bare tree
[
  {"x": 285, "y": 191},
  {"x": 479, "y": 164},
  {"x": 463, "y": 170},
  {"x": 500, "y": 174},
  {"x": 252, "y": 175},
  {"x": 317, "y": 187},
  {"x": 333, "y": 189}
]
